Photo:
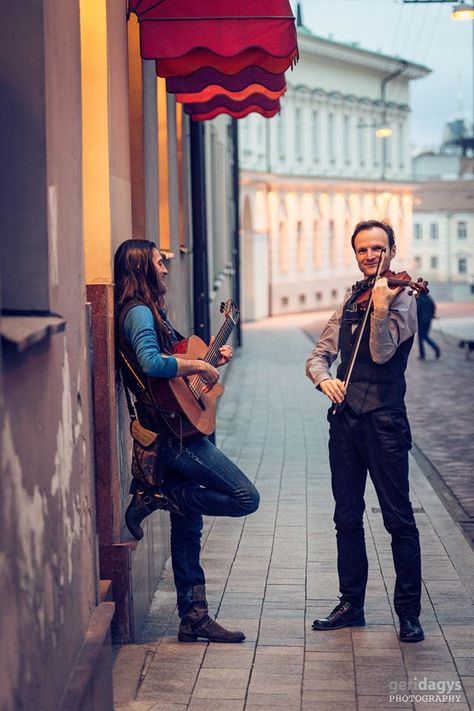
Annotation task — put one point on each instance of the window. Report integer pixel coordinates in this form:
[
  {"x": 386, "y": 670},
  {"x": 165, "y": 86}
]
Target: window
[
  {"x": 462, "y": 230},
  {"x": 347, "y": 139},
  {"x": 418, "y": 231},
  {"x": 434, "y": 262},
  {"x": 401, "y": 146},
  {"x": 362, "y": 145},
  {"x": 462, "y": 265},
  {"x": 334, "y": 294},
  {"x": 316, "y": 245},
  {"x": 331, "y": 139},
  {"x": 300, "y": 247},
  {"x": 281, "y": 135},
  {"x": 315, "y": 135},
  {"x": 284, "y": 301},
  {"x": 298, "y": 134},
  {"x": 332, "y": 244},
  {"x": 375, "y": 148},
  {"x": 417, "y": 261},
  {"x": 318, "y": 296},
  {"x": 283, "y": 245},
  {"x": 302, "y": 298},
  {"x": 434, "y": 230}
]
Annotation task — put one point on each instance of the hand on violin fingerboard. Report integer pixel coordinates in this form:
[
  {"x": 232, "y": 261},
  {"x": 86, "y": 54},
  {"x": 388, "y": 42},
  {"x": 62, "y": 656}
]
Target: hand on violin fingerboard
[
  {"x": 382, "y": 297},
  {"x": 334, "y": 389}
]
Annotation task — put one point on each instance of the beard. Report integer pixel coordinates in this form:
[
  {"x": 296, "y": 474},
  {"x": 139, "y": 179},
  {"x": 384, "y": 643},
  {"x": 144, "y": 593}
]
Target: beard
[{"x": 160, "y": 285}]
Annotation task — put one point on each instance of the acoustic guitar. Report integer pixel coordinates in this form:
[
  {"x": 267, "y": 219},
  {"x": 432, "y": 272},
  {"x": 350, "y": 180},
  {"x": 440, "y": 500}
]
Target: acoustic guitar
[{"x": 183, "y": 404}]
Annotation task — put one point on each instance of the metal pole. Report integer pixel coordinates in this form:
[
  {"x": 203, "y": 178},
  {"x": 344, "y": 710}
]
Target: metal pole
[
  {"x": 199, "y": 222},
  {"x": 236, "y": 240}
]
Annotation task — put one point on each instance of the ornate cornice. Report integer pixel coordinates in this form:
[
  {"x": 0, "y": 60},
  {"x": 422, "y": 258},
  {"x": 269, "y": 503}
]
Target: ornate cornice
[
  {"x": 313, "y": 184},
  {"x": 352, "y": 54},
  {"x": 304, "y": 92}
]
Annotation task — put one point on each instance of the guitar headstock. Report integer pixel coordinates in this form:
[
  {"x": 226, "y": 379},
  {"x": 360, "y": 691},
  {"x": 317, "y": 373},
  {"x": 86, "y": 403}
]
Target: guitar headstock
[{"x": 230, "y": 310}]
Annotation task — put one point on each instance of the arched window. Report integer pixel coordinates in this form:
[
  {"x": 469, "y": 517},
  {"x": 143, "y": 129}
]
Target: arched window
[
  {"x": 300, "y": 247},
  {"x": 283, "y": 247}
]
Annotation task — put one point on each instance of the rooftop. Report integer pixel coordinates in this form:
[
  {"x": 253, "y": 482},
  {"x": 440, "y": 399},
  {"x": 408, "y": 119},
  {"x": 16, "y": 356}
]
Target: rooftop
[
  {"x": 353, "y": 51},
  {"x": 444, "y": 195}
]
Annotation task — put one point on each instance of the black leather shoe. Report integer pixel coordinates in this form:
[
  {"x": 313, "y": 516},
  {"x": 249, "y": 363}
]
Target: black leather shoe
[
  {"x": 410, "y": 630},
  {"x": 142, "y": 505},
  {"x": 343, "y": 615}
]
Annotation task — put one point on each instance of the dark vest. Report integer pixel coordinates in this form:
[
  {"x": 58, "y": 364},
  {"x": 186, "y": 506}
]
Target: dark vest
[
  {"x": 372, "y": 385},
  {"x": 147, "y": 412}
]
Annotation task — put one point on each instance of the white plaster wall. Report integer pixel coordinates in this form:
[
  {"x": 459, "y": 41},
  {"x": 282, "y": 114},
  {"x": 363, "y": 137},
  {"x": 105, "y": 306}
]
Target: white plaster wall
[{"x": 448, "y": 248}]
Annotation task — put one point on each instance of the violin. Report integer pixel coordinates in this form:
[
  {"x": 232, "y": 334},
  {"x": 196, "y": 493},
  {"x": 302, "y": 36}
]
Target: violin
[{"x": 394, "y": 280}]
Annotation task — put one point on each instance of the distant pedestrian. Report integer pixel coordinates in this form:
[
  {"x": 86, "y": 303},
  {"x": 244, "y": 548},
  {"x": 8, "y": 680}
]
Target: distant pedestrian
[{"x": 426, "y": 310}]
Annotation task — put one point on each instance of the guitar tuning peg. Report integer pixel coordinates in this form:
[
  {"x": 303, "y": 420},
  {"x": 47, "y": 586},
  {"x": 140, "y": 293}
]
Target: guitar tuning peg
[
  {"x": 410, "y": 293},
  {"x": 222, "y": 306}
]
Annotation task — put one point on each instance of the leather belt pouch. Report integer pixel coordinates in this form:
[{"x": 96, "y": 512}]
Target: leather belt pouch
[{"x": 140, "y": 434}]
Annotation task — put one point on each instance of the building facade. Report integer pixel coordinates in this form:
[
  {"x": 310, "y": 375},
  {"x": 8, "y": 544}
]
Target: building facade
[
  {"x": 443, "y": 238},
  {"x": 94, "y": 152},
  {"x": 309, "y": 174}
]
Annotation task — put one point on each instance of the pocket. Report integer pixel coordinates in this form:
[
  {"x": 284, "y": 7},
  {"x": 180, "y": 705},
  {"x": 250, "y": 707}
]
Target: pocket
[{"x": 392, "y": 429}]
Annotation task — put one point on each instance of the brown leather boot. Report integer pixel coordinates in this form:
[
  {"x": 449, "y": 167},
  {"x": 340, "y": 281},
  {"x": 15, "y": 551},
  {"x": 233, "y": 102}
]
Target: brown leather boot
[{"x": 197, "y": 623}]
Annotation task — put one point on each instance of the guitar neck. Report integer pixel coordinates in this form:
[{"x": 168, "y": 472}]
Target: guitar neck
[{"x": 213, "y": 355}]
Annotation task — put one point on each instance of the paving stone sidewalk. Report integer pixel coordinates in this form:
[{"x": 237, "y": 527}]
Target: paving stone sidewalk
[{"x": 272, "y": 573}]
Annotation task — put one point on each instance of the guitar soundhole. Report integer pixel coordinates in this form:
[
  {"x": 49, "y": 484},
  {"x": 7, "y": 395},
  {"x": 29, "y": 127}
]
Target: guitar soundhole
[{"x": 196, "y": 397}]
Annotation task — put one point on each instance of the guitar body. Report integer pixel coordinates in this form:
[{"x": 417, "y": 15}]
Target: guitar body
[{"x": 197, "y": 415}]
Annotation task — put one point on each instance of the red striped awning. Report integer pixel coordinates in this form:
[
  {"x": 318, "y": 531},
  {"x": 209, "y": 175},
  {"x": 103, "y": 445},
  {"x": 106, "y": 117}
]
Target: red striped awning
[
  {"x": 200, "y": 79},
  {"x": 231, "y": 106},
  {"x": 242, "y": 113},
  {"x": 216, "y": 30},
  {"x": 237, "y": 50}
]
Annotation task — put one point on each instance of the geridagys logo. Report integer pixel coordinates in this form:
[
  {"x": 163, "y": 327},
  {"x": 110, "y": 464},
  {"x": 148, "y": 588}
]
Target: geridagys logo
[{"x": 425, "y": 689}]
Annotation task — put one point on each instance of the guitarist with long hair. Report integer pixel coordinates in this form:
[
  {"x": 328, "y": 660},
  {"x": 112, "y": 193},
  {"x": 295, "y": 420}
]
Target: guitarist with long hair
[{"x": 188, "y": 478}]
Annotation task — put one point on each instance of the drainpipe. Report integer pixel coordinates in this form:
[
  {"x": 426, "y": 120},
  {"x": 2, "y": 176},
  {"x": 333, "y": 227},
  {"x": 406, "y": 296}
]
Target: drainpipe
[
  {"x": 383, "y": 88},
  {"x": 268, "y": 156},
  {"x": 236, "y": 240},
  {"x": 199, "y": 222}
]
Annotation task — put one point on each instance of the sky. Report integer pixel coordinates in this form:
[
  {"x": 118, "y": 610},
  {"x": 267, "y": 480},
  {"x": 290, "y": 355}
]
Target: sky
[{"x": 423, "y": 33}]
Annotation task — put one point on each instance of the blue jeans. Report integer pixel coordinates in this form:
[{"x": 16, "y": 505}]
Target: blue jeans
[{"x": 201, "y": 480}]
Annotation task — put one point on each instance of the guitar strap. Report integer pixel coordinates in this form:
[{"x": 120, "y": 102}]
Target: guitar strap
[{"x": 164, "y": 414}]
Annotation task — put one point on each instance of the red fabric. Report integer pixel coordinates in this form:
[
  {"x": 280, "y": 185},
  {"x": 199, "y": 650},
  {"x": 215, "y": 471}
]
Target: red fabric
[
  {"x": 228, "y": 103},
  {"x": 198, "y": 30},
  {"x": 215, "y": 90},
  {"x": 202, "y": 78},
  {"x": 200, "y": 58},
  {"x": 266, "y": 113}
]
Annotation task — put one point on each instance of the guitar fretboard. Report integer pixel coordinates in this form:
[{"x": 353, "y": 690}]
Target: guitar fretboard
[{"x": 212, "y": 356}]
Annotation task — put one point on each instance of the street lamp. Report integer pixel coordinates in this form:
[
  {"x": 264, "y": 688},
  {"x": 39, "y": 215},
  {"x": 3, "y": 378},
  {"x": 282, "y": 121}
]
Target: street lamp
[
  {"x": 463, "y": 11},
  {"x": 383, "y": 132}
]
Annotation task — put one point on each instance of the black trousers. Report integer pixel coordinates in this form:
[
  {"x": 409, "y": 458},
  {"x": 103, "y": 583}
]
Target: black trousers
[
  {"x": 423, "y": 335},
  {"x": 377, "y": 442}
]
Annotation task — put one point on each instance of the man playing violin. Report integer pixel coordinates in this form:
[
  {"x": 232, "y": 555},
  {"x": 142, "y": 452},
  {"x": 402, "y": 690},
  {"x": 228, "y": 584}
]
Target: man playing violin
[{"x": 369, "y": 430}]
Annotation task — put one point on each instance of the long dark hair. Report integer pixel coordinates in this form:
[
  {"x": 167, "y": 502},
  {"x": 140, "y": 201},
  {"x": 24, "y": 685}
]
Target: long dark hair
[{"x": 136, "y": 278}]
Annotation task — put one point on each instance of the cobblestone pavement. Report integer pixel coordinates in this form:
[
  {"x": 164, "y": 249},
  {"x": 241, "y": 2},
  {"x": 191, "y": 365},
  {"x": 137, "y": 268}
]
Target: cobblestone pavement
[{"x": 273, "y": 572}]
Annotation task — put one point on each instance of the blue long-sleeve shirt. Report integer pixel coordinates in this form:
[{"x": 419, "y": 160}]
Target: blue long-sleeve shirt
[{"x": 140, "y": 332}]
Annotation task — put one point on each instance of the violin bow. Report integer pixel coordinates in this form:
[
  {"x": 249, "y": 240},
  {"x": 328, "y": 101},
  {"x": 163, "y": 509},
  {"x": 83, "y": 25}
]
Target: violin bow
[{"x": 355, "y": 350}]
